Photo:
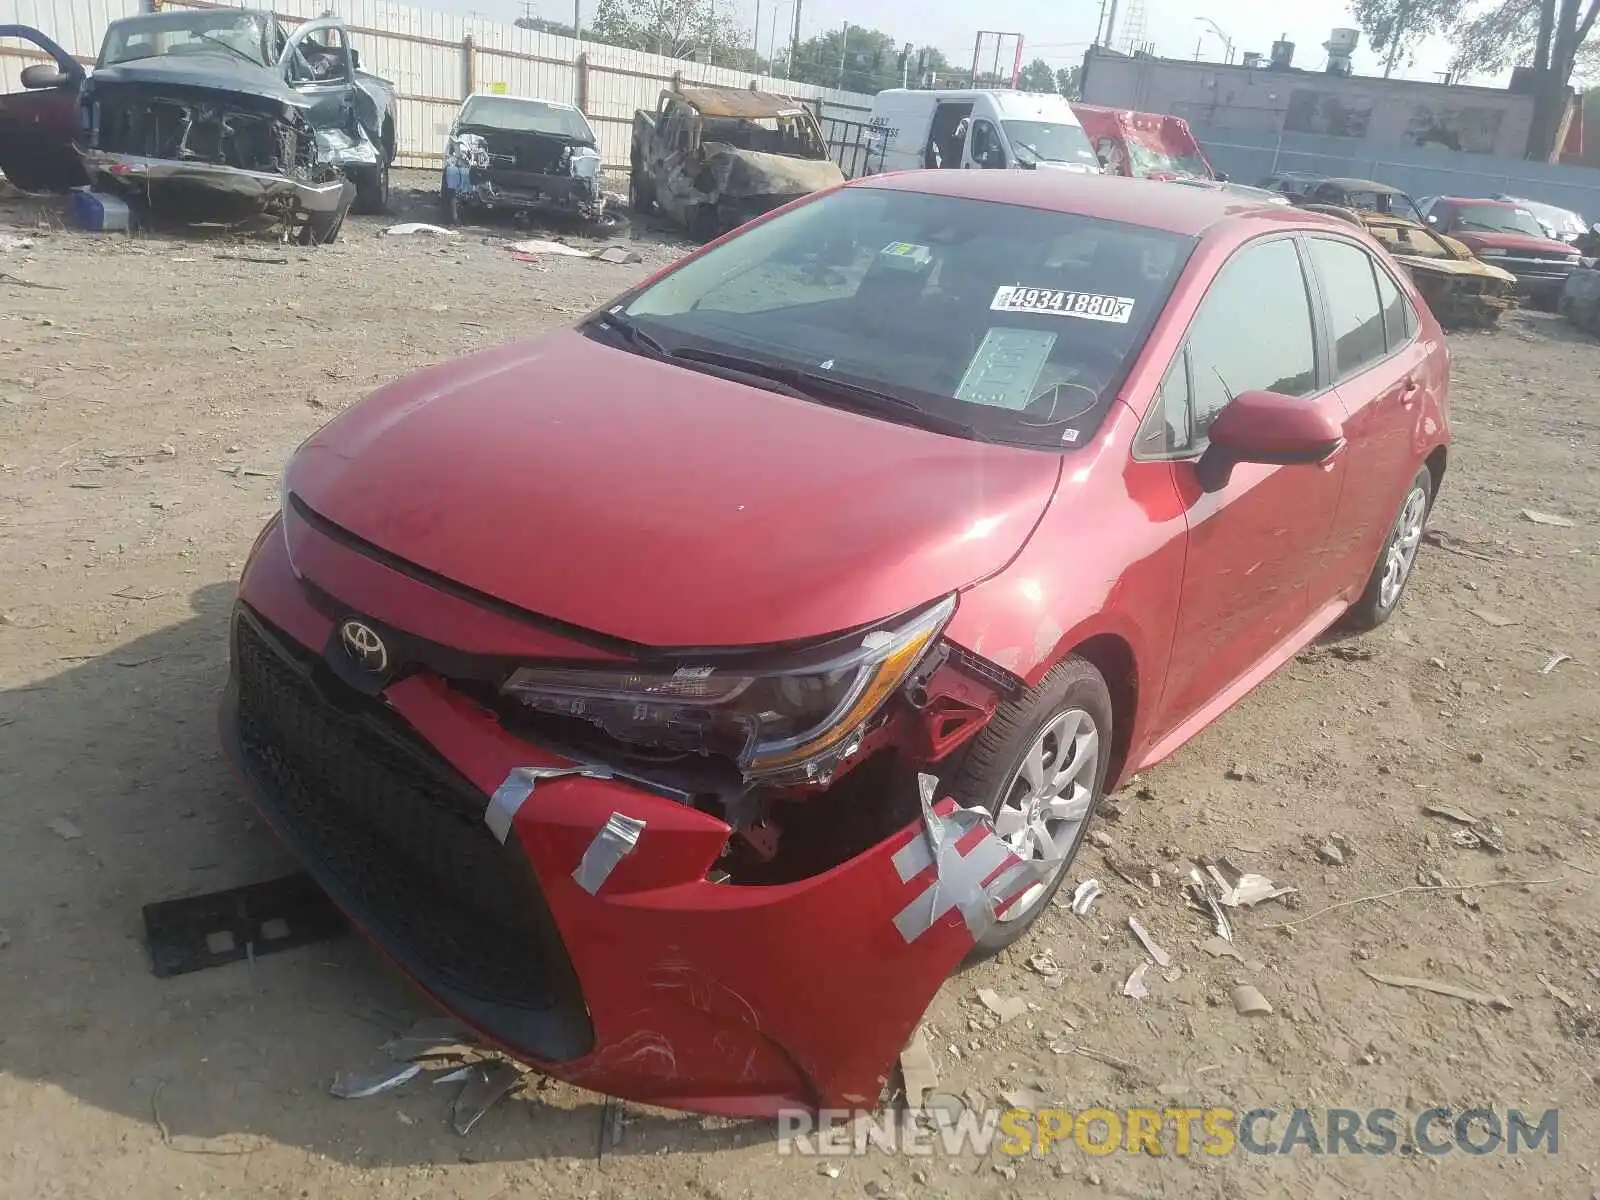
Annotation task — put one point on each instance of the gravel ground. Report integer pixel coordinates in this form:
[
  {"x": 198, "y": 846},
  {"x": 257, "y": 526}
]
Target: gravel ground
[{"x": 149, "y": 394}]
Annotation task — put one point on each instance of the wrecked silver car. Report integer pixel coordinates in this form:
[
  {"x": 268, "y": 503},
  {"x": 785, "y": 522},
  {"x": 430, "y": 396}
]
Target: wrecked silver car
[
  {"x": 512, "y": 153},
  {"x": 223, "y": 114},
  {"x": 712, "y": 158}
]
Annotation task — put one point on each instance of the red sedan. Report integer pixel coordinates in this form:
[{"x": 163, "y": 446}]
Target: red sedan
[{"x": 680, "y": 697}]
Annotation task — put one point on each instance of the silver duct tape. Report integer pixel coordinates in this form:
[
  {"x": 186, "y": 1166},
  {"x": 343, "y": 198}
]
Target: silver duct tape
[
  {"x": 959, "y": 878},
  {"x": 617, "y": 837},
  {"x": 518, "y": 786}
]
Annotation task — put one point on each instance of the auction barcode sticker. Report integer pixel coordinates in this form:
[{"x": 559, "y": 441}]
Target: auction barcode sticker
[{"x": 1054, "y": 302}]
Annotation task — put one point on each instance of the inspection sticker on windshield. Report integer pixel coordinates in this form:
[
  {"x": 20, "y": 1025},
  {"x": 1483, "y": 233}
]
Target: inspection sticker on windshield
[{"x": 1054, "y": 302}]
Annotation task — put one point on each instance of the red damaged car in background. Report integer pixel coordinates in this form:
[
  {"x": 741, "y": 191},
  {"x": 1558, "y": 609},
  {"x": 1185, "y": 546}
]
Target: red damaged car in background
[{"x": 680, "y": 697}]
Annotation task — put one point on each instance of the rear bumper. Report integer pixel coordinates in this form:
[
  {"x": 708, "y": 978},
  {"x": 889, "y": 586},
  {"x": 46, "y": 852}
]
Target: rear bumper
[
  {"x": 659, "y": 985},
  {"x": 131, "y": 170}
]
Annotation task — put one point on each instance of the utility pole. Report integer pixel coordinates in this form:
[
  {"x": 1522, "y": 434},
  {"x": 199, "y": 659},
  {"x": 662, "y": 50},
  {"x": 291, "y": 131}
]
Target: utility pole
[
  {"x": 844, "y": 48},
  {"x": 794, "y": 39},
  {"x": 758, "y": 36}
]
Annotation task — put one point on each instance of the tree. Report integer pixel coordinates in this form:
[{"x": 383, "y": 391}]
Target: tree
[
  {"x": 1400, "y": 26},
  {"x": 1037, "y": 76},
  {"x": 862, "y": 60},
  {"x": 1549, "y": 36},
  {"x": 540, "y": 25},
  {"x": 1069, "y": 82},
  {"x": 694, "y": 29}
]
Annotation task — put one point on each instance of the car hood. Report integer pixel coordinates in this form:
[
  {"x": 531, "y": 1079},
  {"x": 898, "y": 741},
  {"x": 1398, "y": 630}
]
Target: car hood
[
  {"x": 660, "y": 505},
  {"x": 739, "y": 172},
  {"x": 1517, "y": 243},
  {"x": 219, "y": 72}
]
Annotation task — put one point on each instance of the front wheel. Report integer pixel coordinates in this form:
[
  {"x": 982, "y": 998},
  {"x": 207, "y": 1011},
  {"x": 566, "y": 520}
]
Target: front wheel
[
  {"x": 450, "y": 206},
  {"x": 1038, "y": 768},
  {"x": 1392, "y": 572},
  {"x": 372, "y": 188}
]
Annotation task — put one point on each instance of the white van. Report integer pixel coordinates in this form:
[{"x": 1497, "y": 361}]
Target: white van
[{"x": 978, "y": 128}]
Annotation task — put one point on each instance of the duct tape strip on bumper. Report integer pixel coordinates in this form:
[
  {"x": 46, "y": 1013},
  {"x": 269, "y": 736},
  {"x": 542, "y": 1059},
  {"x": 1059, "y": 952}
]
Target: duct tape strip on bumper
[{"x": 518, "y": 786}]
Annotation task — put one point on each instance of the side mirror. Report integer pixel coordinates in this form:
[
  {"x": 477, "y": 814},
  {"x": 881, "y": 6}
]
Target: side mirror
[
  {"x": 41, "y": 75},
  {"x": 1222, "y": 177},
  {"x": 1267, "y": 428}
]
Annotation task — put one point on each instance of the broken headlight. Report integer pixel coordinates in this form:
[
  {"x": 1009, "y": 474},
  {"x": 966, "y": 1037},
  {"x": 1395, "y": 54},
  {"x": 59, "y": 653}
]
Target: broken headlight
[
  {"x": 791, "y": 719},
  {"x": 467, "y": 150}
]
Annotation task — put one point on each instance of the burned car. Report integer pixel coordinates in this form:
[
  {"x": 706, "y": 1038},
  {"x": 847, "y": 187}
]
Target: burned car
[
  {"x": 510, "y": 153},
  {"x": 712, "y": 158},
  {"x": 1461, "y": 289},
  {"x": 222, "y": 113}
]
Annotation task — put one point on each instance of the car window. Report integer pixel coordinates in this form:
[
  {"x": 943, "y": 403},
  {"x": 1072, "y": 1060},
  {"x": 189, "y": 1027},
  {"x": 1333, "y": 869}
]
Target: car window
[
  {"x": 1354, "y": 317},
  {"x": 1165, "y": 430},
  {"x": 1252, "y": 332},
  {"x": 1399, "y": 319},
  {"x": 1019, "y": 322}
]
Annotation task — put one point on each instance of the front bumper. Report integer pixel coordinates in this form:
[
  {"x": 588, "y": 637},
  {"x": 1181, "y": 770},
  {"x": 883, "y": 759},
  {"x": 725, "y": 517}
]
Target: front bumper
[
  {"x": 525, "y": 191},
  {"x": 135, "y": 171},
  {"x": 659, "y": 986}
]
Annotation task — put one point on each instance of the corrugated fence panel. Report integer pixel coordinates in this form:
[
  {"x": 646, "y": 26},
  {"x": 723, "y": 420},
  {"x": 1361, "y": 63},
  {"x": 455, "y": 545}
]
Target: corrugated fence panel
[{"x": 431, "y": 62}]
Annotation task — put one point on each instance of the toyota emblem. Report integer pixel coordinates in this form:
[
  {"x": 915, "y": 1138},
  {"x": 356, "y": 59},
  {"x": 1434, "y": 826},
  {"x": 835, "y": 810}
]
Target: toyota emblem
[{"x": 365, "y": 647}]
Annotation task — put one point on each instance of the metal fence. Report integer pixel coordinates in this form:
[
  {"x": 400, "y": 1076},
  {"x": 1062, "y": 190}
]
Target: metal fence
[
  {"x": 1247, "y": 157},
  {"x": 435, "y": 59},
  {"x": 858, "y": 148}
]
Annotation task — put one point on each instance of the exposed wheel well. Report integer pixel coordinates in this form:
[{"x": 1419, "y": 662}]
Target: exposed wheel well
[
  {"x": 1435, "y": 464},
  {"x": 1113, "y": 658}
]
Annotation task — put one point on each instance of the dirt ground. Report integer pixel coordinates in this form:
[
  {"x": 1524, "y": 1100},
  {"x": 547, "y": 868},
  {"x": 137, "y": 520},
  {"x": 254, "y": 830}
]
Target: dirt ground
[{"x": 149, "y": 395}]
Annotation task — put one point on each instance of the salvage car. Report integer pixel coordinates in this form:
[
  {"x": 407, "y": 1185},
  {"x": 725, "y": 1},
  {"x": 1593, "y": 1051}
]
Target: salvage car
[
  {"x": 223, "y": 112},
  {"x": 509, "y": 153},
  {"x": 711, "y": 158},
  {"x": 1562, "y": 224},
  {"x": 1510, "y": 236},
  {"x": 37, "y": 124},
  {"x": 1461, "y": 289},
  {"x": 679, "y": 697}
]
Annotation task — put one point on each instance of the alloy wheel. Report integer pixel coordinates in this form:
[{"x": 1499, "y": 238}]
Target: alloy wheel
[
  {"x": 1045, "y": 807},
  {"x": 1403, "y": 543}
]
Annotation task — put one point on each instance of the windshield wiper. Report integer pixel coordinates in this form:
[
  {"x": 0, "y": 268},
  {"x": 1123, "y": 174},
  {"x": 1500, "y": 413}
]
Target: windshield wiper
[
  {"x": 632, "y": 334},
  {"x": 216, "y": 41},
  {"x": 817, "y": 385}
]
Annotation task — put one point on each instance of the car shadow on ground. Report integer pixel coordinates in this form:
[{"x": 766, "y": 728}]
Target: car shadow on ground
[{"x": 119, "y": 796}]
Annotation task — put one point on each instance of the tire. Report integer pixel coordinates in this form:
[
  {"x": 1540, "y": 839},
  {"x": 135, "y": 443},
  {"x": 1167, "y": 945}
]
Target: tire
[
  {"x": 637, "y": 200},
  {"x": 449, "y": 206},
  {"x": 372, "y": 188},
  {"x": 1072, "y": 696},
  {"x": 704, "y": 223},
  {"x": 1378, "y": 599}
]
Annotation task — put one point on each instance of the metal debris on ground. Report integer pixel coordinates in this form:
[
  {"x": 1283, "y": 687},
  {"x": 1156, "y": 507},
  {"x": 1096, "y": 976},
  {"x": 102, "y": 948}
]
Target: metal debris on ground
[
  {"x": 918, "y": 1071},
  {"x": 1161, "y": 957},
  {"x": 1487, "y": 999},
  {"x": 1544, "y": 518},
  {"x": 1554, "y": 661},
  {"x": 619, "y": 256},
  {"x": 487, "y": 1084},
  {"x": 1249, "y": 1002},
  {"x": 407, "y": 227},
  {"x": 1242, "y": 889},
  {"x": 1477, "y": 832},
  {"x": 1044, "y": 963},
  {"x": 1084, "y": 896},
  {"x": 1135, "y": 986},
  {"x": 1201, "y": 898},
  {"x": 1007, "y": 1008},
  {"x": 370, "y": 1080}
]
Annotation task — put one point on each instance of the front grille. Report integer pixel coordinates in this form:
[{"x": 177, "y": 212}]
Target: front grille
[
  {"x": 399, "y": 833},
  {"x": 203, "y": 126}
]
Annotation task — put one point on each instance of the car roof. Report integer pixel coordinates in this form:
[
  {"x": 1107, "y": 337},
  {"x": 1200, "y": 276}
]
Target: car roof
[
  {"x": 525, "y": 99},
  {"x": 1362, "y": 185},
  {"x": 1151, "y": 203},
  {"x": 711, "y": 101},
  {"x": 1482, "y": 202}
]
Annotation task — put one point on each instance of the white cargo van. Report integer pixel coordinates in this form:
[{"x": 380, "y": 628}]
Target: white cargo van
[{"x": 978, "y": 128}]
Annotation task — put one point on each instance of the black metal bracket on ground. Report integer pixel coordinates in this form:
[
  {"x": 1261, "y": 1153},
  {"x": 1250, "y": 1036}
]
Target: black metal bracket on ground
[{"x": 197, "y": 932}]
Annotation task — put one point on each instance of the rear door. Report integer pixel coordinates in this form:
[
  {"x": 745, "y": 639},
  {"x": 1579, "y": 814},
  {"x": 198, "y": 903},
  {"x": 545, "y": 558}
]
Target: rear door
[
  {"x": 1255, "y": 544},
  {"x": 1380, "y": 370}
]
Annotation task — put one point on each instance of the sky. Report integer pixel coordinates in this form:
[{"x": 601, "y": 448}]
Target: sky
[{"x": 1056, "y": 30}]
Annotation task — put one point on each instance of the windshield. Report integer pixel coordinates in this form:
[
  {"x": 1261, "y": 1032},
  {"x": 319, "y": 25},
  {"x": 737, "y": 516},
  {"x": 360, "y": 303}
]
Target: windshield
[
  {"x": 1018, "y": 323},
  {"x": 227, "y": 32},
  {"x": 1042, "y": 141},
  {"x": 1493, "y": 218},
  {"x": 1148, "y": 160},
  {"x": 526, "y": 116}
]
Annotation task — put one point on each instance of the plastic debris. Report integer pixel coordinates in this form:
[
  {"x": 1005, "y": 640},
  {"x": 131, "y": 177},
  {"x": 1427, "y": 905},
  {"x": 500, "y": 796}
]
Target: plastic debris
[
  {"x": 435, "y": 1038},
  {"x": 1487, "y": 999},
  {"x": 1084, "y": 896},
  {"x": 486, "y": 1086},
  {"x": 1242, "y": 889},
  {"x": 407, "y": 227},
  {"x": 1554, "y": 661},
  {"x": 1544, "y": 518},
  {"x": 1202, "y": 898},
  {"x": 370, "y": 1080},
  {"x": 65, "y": 829},
  {"x": 831, "y": 1170},
  {"x": 1249, "y": 1002},
  {"x": 619, "y": 256},
  {"x": 1161, "y": 957},
  {"x": 540, "y": 246},
  {"x": 1221, "y": 948},
  {"x": 917, "y": 1069},
  {"x": 1044, "y": 963},
  {"x": 459, "y": 1075},
  {"x": 1459, "y": 816},
  {"x": 1007, "y": 1008},
  {"x": 1135, "y": 987}
]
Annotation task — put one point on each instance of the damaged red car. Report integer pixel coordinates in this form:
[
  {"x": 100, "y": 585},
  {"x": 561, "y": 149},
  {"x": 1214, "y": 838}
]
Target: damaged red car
[{"x": 680, "y": 697}]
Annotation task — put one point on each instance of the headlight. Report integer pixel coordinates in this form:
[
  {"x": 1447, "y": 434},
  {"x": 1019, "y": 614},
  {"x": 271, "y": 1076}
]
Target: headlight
[
  {"x": 468, "y": 149},
  {"x": 792, "y": 719}
]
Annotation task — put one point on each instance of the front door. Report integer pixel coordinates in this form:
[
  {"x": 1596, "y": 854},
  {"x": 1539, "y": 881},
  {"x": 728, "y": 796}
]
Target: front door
[
  {"x": 1255, "y": 544},
  {"x": 38, "y": 124}
]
